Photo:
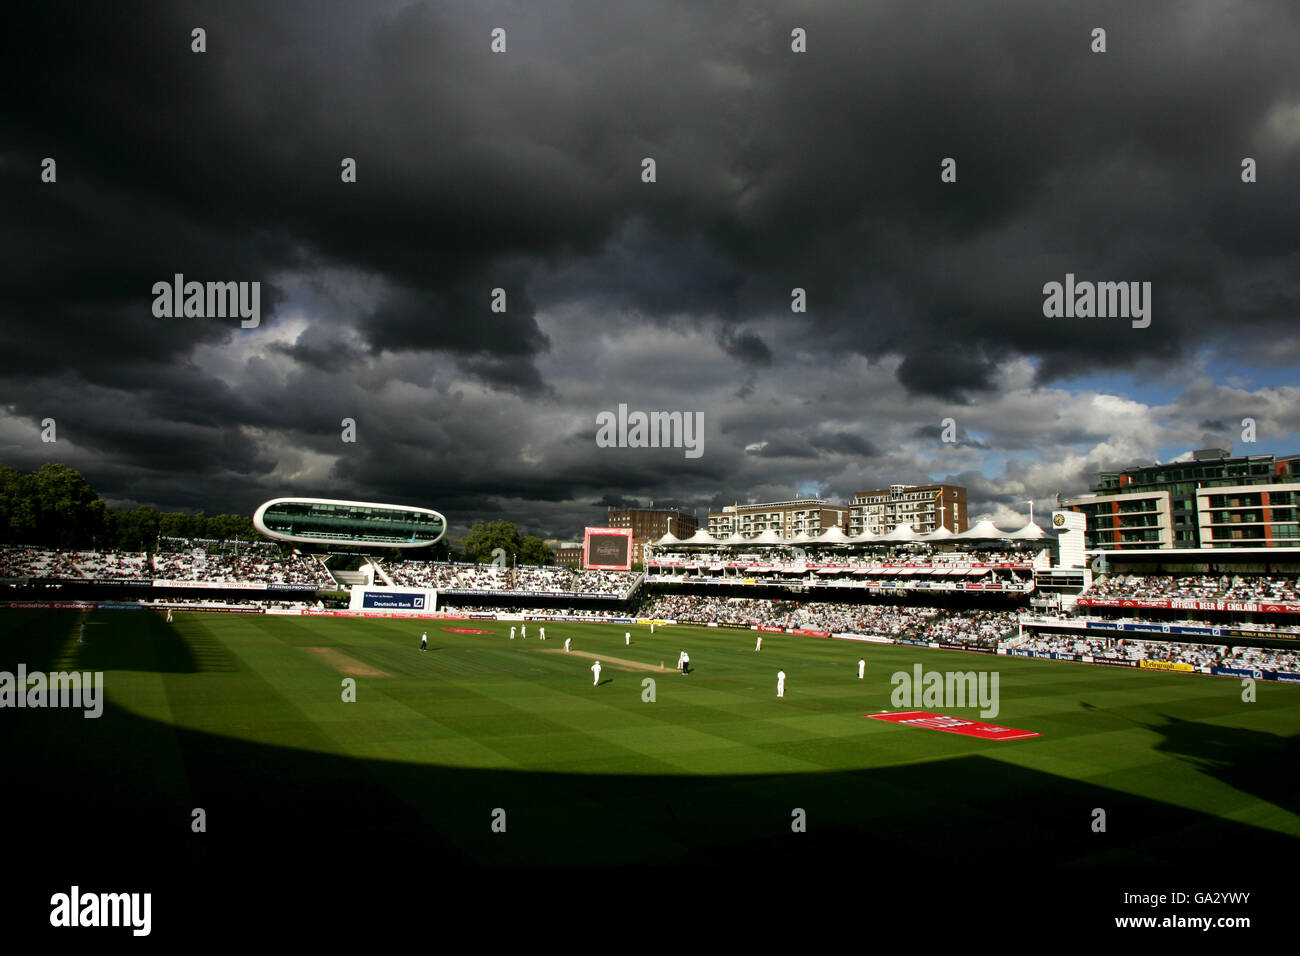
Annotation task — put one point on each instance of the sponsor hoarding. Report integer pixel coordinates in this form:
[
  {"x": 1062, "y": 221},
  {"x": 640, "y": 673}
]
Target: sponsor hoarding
[
  {"x": 1180, "y": 604},
  {"x": 1178, "y": 666},
  {"x": 394, "y": 600}
]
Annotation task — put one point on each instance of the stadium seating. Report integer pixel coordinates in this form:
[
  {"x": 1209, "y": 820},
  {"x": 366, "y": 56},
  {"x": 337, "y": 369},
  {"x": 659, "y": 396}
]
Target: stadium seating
[
  {"x": 486, "y": 578},
  {"x": 977, "y": 628},
  {"x": 1209, "y": 587}
]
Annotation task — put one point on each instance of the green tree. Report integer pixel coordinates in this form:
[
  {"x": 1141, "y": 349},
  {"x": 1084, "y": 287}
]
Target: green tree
[
  {"x": 134, "y": 529},
  {"x": 17, "y": 509},
  {"x": 532, "y": 550},
  {"x": 484, "y": 538},
  {"x": 68, "y": 512},
  {"x": 441, "y": 550}
]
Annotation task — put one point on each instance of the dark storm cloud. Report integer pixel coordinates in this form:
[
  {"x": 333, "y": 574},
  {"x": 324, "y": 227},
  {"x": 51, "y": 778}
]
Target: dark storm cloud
[
  {"x": 949, "y": 375},
  {"x": 844, "y": 443},
  {"x": 775, "y": 171},
  {"x": 745, "y": 346}
]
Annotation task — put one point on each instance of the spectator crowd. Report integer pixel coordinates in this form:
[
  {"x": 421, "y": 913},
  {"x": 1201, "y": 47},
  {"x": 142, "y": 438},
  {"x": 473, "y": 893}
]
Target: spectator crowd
[
  {"x": 486, "y": 577},
  {"x": 1197, "y": 655},
  {"x": 1200, "y": 587}
]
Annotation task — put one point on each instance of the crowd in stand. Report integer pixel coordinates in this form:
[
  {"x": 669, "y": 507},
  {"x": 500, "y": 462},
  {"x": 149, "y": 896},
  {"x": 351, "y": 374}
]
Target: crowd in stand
[
  {"x": 112, "y": 564},
  {"x": 251, "y": 567},
  {"x": 43, "y": 563},
  {"x": 880, "y": 619},
  {"x": 977, "y": 628},
  {"x": 37, "y": 563},
  {"x": 1264, "y": 658},
  {"x": 787, "y": 556},
  {"x": 261, "y": 565},
  {"x": 1205, "y": 587},
  {"x": 485, "y": 577},
  {"x": 1197, "y": 655},
  {"x": 828, "y": 556},
  {"x": 1119, "y": 650}
]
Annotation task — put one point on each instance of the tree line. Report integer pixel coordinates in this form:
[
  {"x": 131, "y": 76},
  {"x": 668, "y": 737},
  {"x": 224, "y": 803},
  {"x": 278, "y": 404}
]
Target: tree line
[{"x": 56, "y": 507}]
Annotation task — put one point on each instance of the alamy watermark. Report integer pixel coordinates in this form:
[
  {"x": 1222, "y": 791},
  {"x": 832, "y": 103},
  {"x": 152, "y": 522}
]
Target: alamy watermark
[
  {"x": 77, "y": 690},
  {"x": 208, "y": 300},
  {"x": 636, "y": 429},
  {"x": 76, "y": 908},
  {"x": 950, "y": 689},
  {"x": 1099, "y": 300}
]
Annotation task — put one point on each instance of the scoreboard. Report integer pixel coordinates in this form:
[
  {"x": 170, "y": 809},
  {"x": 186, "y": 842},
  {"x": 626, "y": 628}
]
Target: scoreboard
[{"x": 607, "y": 549}]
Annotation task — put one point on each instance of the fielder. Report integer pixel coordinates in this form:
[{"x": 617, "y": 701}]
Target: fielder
[
  {"x": 862, "y": 669},
  {"x": 81, "y": 637},
  {"x": 542, "y": 635},
  {"x": 652, "y": 627},
  {"x": 758, "y": 645},
  {"x": 627, "y": 638},
  {"x": 424, "y": 641},
  {"x": 566, "y": 644},
  {"x": 595, "y": 669},
  {"x": 512, "y": 632},
  {"x": 169, "y": 615},
  {"x": 523, "y": 631},
  {"x": 780, "y": 683}
]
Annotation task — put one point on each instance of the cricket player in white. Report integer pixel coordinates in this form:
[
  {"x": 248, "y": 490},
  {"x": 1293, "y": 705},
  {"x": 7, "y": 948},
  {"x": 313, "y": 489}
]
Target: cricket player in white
[
  {"x": 566, "y": 644},
  {"x": 169, "y": 615},
  {"x": 627, "y": 638},
  {"x": 758, "y": 645},
  {"x": 424, "y": 641},
  {"x": 523, "y": 631},
  {"x": 81, "y": 637},
  {"x": 780, "y": 683},
  {"x": 512, "y": 633},
  {"x": 542, "y": 635},
  {"x": 652, "y": 627},
  {"x": 862, "y": 669},
  {"x": 595, "y": 669}
]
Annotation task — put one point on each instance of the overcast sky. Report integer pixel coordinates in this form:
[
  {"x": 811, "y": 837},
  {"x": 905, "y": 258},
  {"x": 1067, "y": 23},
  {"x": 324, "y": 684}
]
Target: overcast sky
[{"x": 523, "y": 170}]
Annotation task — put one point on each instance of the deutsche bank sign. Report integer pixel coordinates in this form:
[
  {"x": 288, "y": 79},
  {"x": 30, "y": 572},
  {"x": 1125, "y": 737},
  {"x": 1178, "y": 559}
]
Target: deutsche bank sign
[{"x": 408, "y": 601}]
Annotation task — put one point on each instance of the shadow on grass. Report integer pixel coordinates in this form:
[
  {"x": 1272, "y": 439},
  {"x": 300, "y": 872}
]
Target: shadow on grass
[
  {"x": 123, "y": 789},
  {"x": 1263, "y": 765},
  {"x": 115, "y": 640}
]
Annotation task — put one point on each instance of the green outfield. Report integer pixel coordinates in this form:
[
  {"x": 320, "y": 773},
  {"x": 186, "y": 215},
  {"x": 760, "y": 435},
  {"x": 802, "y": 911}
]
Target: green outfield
[{"x": 243, "y": 716}]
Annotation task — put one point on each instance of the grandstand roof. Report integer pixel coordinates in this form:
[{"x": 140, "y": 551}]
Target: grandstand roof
[
  {"x": 701, "y": 537},
  {"x": 983, "y": 530},
  {"x": 1029, "y": 532},
  {"x": 864, "y": 538},
  {"x": 668, "y": 539},
  {"x": 903, "y": 532}
]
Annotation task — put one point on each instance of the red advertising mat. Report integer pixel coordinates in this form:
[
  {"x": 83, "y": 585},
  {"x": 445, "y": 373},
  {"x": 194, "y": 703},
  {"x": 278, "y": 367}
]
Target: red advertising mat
[
  {"x": 953, "y": 725},
  {"x": 466, "y": 630}
]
